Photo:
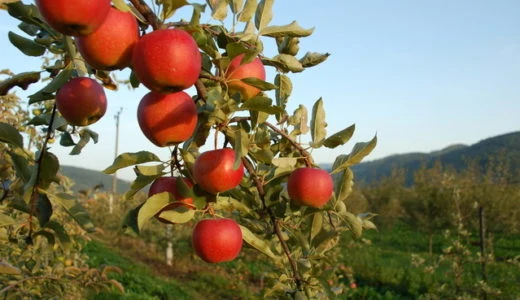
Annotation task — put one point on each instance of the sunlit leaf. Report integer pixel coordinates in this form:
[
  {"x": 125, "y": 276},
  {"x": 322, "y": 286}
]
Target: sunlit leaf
[
  {"x": 6, "y": 220},
  {"x": 284, "y": 89},
  {"x": 121, "y": 5},
  {"x": 129, "y": 159},
  {"x": 318, "y": 124},
  {"x": 8, "y": 269},
  {"x": 150, "y": 170},
  {"x": 285, "y": 162},
  {"x": 138, "y": 184},
  {"x": 257, "y": 242},
  {"x": 264, "y": 14},
  {"x": 343, "y": 183},
  {"x": 311, "y": 59},
  {"x": 170, "y": 6},
  {"x": 340, "y": 137},
  {"x": 236, "y": 5},
  {"x": 249, "y": 10},
  {"x": 317, "y": 224},
  {"x": 231, "y": 204},
  {"x": 258, "y": 83},
  {"x": 152, "y": 206},
  {"x": 179, "y": 215},
  {"x": 48, "y": 91},
  {"x": 292, "y": 30},
  {"x": 220, "y": 10},
  {"x": 299, "y": 120},
  {"x": 260, "y": 103},
  {"x": 285, "y": 63},
  {"x": 360, "y": 151}
]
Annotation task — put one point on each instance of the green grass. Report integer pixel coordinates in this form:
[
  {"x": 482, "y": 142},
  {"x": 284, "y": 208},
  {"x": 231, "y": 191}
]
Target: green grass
[{"x": 385, "y": 265}]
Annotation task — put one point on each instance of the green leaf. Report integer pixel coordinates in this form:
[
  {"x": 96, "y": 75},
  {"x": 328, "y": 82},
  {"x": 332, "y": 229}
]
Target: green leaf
[
  {"x": 231, "y": 204},
  {"x": 150, "y": 170},
  {"x": 27, "y": 46},
  {"x": 48, "y": 91},
  {"x": 59, "y": 231},
  {"x": 66, "y": 139},
  {"x": 152, "y": 206},
  {"x": 179, "y": 215},
  {"x": 21, "y": 163},
  {"x": 285, "y": 162},
  {"x": 170, "y": 6},
  {"x": 48, "y": 235},
  {"x": 299, "y": 121},
  {"x": 257, "y": 243},
  {"x": 6, "y": 220},
  {"x": 121, "y": 5},
  {"x": 240, "y": 144},
  {"x": 130, "y": 219},
  {"x": 340, "y": 137},
  {"x": 249, "y": 10},
  {"x": 235, "y": 5},
  {"x": 85, "y": 135},
  {"x": 285, "y": 63},
  {"x": 198, "y": 9},
  {"x": 49, "y": 168},
  {"x": 43, "y": 209},
  {"x": 360, "y": 151},
  {"x": 284, "y": 90},
  {"x": 311, "y": 59},
  {"x": 264, "y": 14},
  {"x": 10, "y": 135},
  {"x": 128, "y": 159},
  {"x": 260, "y": 103},
  {"x": 291, "y": 30},
  {"x": 220, "y": 10},
  {"x": 73, "y": 208},
  {"x": 343, "y": 184},
  {"x": 353, "y": 223},
  {"x": 318, "y": 124},
  {"x": 138, "y": 184},
  {"x": 317, "y": 224},
  {"x": 259, "y": 83},
  {"x": 8, "y": 269}
]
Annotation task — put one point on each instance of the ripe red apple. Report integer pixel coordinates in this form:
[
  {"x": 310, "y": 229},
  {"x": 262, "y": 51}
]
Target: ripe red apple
[
  {"x": 110, "y": 46},
  {"x": 217, "y": 240},
  {"x": 213, "y": 171},
  {"x": 167, "y": 119},
  {"x": 81, "y": 101},
  {"x": 237, "y": 71},
  {"x": 167, "y": 60},
  {"x": 77, "y": 17},
  {"x": 310, "y": 186}
]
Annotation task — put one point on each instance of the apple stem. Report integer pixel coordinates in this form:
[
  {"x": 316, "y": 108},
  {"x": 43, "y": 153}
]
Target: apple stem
[
  {"x": 276, "y": 223},
  {"x": 147, "y": 13}
]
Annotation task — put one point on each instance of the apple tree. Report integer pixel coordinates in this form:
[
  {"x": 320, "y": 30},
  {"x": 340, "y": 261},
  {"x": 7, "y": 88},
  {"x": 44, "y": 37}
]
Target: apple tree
[{"x": 240, "y": 163}]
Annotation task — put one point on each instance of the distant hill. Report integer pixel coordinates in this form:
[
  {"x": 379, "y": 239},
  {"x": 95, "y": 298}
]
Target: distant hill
[
  {"x": 86, "y": 179},
  {"x": 505, "y": 148}
]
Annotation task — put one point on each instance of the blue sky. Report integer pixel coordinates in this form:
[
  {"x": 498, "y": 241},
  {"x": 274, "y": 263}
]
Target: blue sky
[{"x": 420, "y": 74}]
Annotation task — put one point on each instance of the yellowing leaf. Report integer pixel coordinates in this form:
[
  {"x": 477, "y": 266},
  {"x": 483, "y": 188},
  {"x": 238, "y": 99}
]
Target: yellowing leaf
[
  {"x": 292, "y": 30},
  {"x": 264, "y": 14},
  {"x": 257, "y": 242}
]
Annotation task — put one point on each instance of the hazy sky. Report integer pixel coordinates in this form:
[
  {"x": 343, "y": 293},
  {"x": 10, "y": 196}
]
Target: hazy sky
[{"x": 420, "y": 74}]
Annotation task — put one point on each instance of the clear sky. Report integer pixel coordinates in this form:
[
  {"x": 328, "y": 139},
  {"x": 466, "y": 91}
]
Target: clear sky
[{"x": 420, "y": 74}]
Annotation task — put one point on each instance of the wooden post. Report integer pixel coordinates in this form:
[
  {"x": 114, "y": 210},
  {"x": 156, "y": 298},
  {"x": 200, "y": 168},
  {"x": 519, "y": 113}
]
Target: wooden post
[{"x": 114, "y": 177}]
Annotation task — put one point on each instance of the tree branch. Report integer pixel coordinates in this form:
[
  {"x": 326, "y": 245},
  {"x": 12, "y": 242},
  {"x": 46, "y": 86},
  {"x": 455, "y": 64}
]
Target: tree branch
[
  {"x": 276, "y": 223},
  {"x": 147, "y": 13},
  {"x": 306, "y": 155}
]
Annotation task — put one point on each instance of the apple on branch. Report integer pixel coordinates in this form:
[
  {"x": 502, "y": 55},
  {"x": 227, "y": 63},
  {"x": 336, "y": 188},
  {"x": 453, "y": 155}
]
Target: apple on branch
[
  {"x": 81, "y": 101},
  {"x": 169, "y": 184},
  {"x": 77, "y": 17},
  {"x": 310, "y": 186},
  {"x": 167, "y": 119},
  {"x": 213, "y": 171},
  {"x": 238, "y": 70},
  {"x": 217, "y": 240},
  {"x": 110, "y": 46}
]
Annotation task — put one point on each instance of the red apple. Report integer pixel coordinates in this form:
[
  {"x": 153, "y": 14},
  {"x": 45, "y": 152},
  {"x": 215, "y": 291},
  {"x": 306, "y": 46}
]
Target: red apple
[
  {"x": 110, "y": 46},
  {"x": 81, "y": 101},
  {"x": 74, "y": 17},
  {"x": 167, "y": 119},
  {"x": 217, "y": 240},
  {"x": 213, "y": 171},
  {"x": 310, "y": 187},
  {"x": 237, "y": 71},
  {"x": 167, "y": 60}
]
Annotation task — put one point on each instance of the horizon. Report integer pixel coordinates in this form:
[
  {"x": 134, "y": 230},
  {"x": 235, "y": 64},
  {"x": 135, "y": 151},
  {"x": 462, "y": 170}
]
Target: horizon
[{"x": 420, "y": 76}]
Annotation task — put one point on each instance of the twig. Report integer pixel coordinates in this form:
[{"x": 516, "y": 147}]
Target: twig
[
  {"x": 306, "y": 155},
  {"x": 212, "y": 77},
  {"x": 276, "y": 223},
  {"x": 201, "y": 90},
  {"x": 34, "y": 195},
  {"x": 147, "y": 13}
]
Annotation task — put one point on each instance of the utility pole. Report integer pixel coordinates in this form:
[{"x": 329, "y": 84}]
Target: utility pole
[{"x": 114, "y": 177}]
